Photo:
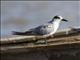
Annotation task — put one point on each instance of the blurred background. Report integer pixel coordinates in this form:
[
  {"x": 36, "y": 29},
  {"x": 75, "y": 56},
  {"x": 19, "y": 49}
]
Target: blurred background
[{"x": 23, "y": 15}]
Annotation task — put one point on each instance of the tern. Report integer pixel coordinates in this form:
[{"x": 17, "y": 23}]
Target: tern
[{"x": 45, "y": 30}]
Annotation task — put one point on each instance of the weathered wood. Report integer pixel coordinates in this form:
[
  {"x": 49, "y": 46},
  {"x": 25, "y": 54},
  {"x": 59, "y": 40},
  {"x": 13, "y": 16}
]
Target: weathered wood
[
  {"x": 62, "y": 41},
  {"x": 66, "y": 32},
  {"x": 64, "y": 46}
]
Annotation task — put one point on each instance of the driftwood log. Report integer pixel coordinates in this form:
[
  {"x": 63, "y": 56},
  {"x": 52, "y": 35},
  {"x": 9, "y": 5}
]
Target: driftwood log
[
  {"x": 64, "y": 45},
  {"x": 66, "y": 32},
  {"x": 62, "y": 37}
]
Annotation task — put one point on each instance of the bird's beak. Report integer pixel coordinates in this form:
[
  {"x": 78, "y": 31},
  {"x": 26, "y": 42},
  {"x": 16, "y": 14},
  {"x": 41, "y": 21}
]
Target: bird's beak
[{"x": 65, "y": 20}]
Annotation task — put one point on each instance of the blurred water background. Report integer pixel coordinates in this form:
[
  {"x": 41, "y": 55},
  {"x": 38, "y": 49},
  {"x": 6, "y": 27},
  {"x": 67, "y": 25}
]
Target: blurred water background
[{"x": 23, "y": 15}]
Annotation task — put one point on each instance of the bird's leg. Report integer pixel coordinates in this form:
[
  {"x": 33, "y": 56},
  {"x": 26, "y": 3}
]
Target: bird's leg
[
  {"x": 67, "y": 32},
  {"x": 52, "y": 36},
  {"x": 45, "y": 41}
]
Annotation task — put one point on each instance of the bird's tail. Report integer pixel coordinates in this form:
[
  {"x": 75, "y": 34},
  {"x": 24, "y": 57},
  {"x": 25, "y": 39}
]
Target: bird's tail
[{"x": 22, "y": 33}]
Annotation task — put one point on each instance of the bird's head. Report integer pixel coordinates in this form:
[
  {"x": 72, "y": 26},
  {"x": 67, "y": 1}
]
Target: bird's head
[{"x": 59, "y": 18}]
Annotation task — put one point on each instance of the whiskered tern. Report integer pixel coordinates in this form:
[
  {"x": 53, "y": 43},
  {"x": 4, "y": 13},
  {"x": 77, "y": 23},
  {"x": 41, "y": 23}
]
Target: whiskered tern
[{"x": 47, "y": 29}]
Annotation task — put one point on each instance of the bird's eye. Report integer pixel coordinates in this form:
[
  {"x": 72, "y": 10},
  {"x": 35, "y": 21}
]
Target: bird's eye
[{"x": 56, "y": 17}]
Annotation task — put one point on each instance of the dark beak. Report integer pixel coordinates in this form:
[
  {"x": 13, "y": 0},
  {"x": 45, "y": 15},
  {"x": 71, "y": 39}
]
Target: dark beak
[{"x": 65, "y": 20}]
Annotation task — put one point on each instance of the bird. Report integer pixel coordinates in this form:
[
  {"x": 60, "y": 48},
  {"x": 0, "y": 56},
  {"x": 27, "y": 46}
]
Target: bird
[{"x": 46, "y": 29}]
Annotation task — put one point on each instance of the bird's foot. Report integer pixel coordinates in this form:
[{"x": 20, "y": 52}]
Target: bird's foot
[
  {"x": 42, "y": 42},
  {"x": 45, "y": 41},
  {"x": 52, "y": 36}
]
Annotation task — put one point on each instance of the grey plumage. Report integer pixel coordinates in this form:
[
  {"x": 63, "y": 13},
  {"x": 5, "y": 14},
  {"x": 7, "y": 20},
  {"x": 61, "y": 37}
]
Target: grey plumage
[{"x": 45, "y": 29}]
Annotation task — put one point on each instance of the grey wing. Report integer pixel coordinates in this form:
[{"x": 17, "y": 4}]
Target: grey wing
[
  {"x": 46, "y": 29},
  {"x": 43, "y": 29},
  {"x": 40, "y": 30}
]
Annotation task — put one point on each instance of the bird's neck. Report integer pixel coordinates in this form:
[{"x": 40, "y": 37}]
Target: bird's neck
[
  {"x": 56, "y": 21},
  {"x": 56, "y": 25}
]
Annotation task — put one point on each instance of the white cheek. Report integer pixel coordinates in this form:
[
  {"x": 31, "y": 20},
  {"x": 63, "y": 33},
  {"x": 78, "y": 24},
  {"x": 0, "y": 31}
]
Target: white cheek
[{"x": 61, "y": 17}]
